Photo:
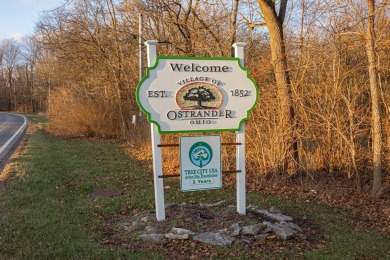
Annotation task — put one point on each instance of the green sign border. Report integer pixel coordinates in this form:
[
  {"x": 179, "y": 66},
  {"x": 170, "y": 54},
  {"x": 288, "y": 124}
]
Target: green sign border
[
  {"x": 158, "y": 58},
  {"x": 220, "y": 160}
]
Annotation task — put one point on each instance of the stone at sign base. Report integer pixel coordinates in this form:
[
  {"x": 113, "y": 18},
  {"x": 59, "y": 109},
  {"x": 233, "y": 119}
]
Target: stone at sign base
[
  {"x": 234, "y": 230},
  {"x": 266, "y": 213},
  {"x": 151, "y": 237},
  {"x": 182, "y": 231},
  {"x": 217, "y": 239},
  {"x": 177, "y": 236},
  {"x": 151, "y": 230},
  {"x": 280, "y": 230},
  {"x": 292, "y": 226},
  {"x": 253, "y": 230}
]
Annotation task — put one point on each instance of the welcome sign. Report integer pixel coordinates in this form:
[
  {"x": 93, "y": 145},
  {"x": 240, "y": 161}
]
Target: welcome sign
[{"x": 194, "y": 94}]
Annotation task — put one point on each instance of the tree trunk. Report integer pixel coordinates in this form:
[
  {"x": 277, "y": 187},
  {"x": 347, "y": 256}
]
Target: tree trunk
[
  {"x": 287, "y": 124},
  {"x": 375, "y": 110},
  {"x": 234, "y": 25}
]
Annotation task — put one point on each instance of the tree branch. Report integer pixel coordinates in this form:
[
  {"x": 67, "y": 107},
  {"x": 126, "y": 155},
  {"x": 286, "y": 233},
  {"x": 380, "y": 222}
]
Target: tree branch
[{"x": 282, "y": 10}]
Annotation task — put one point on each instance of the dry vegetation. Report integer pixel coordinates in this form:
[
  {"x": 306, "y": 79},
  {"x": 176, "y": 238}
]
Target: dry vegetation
[{"x": 81, "y": 67}]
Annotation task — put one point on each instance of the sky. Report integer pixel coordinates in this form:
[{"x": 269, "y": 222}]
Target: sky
[{"x": 18, "y": 17}]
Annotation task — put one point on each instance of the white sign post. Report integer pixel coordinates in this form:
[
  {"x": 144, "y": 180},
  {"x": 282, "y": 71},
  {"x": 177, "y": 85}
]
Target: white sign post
[
  {"x": 197, "y": 94},
  {"x": 156, "y": 140},
  {"x": 240, "y": 150}
]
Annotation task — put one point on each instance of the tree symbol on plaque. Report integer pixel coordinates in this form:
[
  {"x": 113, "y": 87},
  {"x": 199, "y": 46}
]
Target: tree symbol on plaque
[
  {"x": 199, "y": 94},
  {"x": 201, "y": 154}
]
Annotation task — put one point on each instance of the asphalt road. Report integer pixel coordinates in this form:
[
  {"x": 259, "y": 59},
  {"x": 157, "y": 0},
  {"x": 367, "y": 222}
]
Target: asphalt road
[{"x": 11, "y": 129}]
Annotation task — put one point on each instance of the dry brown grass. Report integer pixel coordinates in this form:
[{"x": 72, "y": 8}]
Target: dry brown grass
[
  {"x": 324, "y": 138},
  {"x": 263, "y": 157},
  {"x": 73, "y": 115},
  {"x": 140, "y": 148}
]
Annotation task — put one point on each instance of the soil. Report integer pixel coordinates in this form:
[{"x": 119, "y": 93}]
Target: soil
[{"x": 201, "y": 220}]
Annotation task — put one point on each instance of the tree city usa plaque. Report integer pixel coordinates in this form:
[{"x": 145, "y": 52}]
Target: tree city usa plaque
[
  {"x": 200, "y": 162},
  {"x": 194, "y": 94}
]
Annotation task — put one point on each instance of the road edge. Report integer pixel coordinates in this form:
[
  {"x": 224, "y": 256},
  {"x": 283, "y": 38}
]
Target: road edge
[{"x": 13, "y": 143}]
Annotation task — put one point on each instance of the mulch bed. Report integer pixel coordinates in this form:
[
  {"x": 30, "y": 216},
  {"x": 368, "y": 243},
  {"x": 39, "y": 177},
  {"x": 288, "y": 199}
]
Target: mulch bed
[{"x": 201, "y": 220}]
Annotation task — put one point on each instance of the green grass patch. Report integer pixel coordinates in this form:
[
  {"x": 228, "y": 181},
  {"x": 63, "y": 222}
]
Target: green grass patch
[
  {"x": 47, "y": 211},
  {"x": 346, "y": 239}
]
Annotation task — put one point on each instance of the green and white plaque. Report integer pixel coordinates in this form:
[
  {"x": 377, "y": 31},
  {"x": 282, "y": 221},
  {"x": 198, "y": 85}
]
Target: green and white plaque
[{"x": 200, "y": 163}]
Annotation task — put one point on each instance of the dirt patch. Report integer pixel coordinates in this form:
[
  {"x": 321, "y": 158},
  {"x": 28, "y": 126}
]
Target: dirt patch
[
  {"x": 106, "y": 193},
  {"x": 117, "y": 235}
]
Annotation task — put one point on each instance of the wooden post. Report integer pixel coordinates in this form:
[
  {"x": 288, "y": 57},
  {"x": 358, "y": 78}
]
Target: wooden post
[
  {"x": 156, "y": 140},
  {"x": 240, "y": 151},
  {"x": 141, "y": 56}
]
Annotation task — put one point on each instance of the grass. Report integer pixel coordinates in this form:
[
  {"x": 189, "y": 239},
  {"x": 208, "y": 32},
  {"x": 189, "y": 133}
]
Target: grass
[
  {"x": 347, "y": 240},
  {"x": 47, "y": 211}
]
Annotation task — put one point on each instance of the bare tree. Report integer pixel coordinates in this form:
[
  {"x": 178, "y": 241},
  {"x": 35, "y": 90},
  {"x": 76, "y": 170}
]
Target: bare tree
[
  {"x": 274, "y": 22},
  {"x": 377, "y": 134},
  {"x": 85, "y": 65},
  {"x": 234, "y": 24},
  {"x": 10, "y": 51}
]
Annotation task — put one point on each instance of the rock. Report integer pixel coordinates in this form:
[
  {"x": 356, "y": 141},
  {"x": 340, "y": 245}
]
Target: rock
[
  {"x": 265, "y": 231},
  {"x": 151, "y": 230},
  {"x": 275, "y": 210},
  {"x": 217, "y": 239},
  {"x": 152, "y": 237},
  {"x": 253, "y": 230},
  {"x": 280, "y": 230},
  {"x": 292, "y": 226},
  {"x": 126, "y": 227},
  {"x": 145, "y": 219},
  {"x": 286, "y": 232},
  {"x": 250, "y": 206},
  {"x": 277, "y": 217},
  {"x": 261, "y": 237},
  {"x": 224, "y": 231},
  {"x": 234, "y": 230},
  {"x": 202, "y": 205},
  {"x": 247, "y": 240},
  {"x": 182, "y": 231},
  {"x": 206, "y": 205},
  {"x": 177, "y": 236},
  {"x": 138, "y": 225}
]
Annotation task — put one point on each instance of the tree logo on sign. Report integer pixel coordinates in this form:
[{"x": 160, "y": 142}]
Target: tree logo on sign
[
  {"x": 200, "y": 154},
  {"x": 199, "y": 95}
]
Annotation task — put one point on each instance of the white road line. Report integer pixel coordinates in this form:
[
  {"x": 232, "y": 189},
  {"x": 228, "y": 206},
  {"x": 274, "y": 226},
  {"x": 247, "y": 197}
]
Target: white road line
[{"x": 12, "y": 137}]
